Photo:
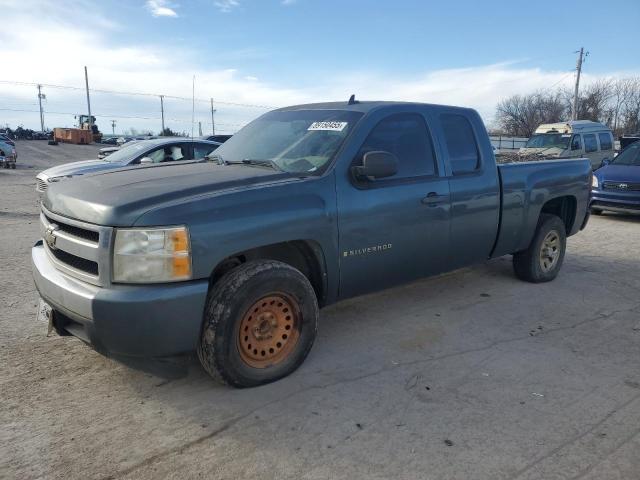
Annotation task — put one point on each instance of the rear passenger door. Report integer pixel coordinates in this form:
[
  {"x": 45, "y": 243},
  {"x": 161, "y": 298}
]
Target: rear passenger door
[
  {"x": 591, "y": 149},
  {"x": 605, "y": 139},
  {"x": 474, "y": 187},
  {"x": 395, "y": 229}
]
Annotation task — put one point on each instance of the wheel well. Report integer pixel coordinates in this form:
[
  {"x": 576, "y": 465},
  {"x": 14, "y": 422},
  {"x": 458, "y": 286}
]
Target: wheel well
[
  {"x": 563, "y": 207},
  {"x": 304, "y": 255}
]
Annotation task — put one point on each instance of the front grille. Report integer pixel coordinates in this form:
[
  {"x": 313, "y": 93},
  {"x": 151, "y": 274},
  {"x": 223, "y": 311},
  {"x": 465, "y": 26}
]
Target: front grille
[
  {"x": 76, "y": 262},
  {"x": 622, "y": 186},
  {"x": 41, "y": 185},
  {"x": 77, "y": 248},
  {"x": 85, "y": 234}
]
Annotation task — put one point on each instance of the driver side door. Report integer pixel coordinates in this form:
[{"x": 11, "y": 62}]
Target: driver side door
[{"x": 393, "y": 230}]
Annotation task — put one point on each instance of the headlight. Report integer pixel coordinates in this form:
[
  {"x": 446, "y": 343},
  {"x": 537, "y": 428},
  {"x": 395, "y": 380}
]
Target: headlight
[
  {"x": 151, "y": 255},
  {"x": 594, "y": 182}
]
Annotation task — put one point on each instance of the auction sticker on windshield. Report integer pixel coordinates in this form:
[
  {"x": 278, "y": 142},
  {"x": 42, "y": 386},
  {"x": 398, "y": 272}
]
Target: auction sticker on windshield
[{"x": 328, "y": 126}]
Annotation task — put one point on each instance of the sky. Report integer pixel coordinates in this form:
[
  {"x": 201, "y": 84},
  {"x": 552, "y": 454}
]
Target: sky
[{"x": 253, "y": 55}]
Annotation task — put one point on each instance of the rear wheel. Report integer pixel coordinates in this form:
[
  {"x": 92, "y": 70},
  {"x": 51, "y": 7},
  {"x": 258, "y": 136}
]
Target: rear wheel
[
  {"x": 542, "y": 261},
  {"x": 259, "y": 325}
]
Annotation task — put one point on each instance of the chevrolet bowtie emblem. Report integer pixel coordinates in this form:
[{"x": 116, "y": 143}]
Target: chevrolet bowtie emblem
[{"x": 50, "y": 236}]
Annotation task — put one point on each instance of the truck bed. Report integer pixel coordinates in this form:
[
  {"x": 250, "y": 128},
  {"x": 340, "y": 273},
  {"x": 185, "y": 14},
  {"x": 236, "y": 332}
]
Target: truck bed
[{"x": 527, "y": 187}]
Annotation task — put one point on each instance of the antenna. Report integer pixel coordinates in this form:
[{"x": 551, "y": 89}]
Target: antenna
[{"x": 352, "y": 99}]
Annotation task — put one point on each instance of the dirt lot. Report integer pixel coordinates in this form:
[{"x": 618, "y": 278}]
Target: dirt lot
[{"x": 470, "y": 375}]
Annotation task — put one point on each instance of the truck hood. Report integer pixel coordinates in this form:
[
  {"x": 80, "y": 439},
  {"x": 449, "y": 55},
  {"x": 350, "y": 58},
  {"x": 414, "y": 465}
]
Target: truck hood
[
  {"x": 118, "y": 198},
  {"x": 79, "y": 168},
  {"x": 618, "y": 173}
]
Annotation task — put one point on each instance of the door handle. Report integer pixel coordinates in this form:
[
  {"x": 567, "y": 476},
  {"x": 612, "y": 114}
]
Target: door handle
[{"x": 432, "y": 199}]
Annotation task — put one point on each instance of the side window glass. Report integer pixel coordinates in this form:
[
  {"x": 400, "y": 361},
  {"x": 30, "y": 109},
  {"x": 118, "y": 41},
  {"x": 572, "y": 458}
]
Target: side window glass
[
  {"x": 406, "y": 136},
  {"x": 156, "y": 155},
  {"x": 461, "y": 143},
  {"x": 202, "y": 150},
  {"x": 590, "y": 144},
  {"x": 605, "y": 141},
  {"x": 575, "y": 143}
]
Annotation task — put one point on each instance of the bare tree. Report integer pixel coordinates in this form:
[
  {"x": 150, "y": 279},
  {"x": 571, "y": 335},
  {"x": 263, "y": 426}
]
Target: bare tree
[
  {"x": 520, "y": 115},
  {"x": 615, "y": 102}
]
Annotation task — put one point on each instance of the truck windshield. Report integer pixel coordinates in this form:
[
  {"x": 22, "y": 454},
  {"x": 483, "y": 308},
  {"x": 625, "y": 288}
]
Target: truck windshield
[
  {"x": 629, "y": 156},
  {"x": 296, "y": 141},
  {"x": 549, "y": 140}
]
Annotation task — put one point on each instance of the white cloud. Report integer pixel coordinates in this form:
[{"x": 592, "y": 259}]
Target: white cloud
[
  {"x": 226, "y": 5},
  {"x": 161, "y": 8}
]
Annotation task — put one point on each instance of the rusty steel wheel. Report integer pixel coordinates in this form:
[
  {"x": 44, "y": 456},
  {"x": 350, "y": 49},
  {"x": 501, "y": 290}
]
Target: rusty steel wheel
[
  {"x": 259, "y": 324},
  {"x": 269, "y": 331}
]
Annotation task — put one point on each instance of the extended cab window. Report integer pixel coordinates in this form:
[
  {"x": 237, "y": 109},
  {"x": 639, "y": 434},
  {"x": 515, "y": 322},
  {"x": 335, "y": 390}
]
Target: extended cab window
[
  {"x": 590, "y": 144},
  {"x": 406, "y": 136},
  {"x": 461, "y": 143},
  {"x": 605, "y": 141}
]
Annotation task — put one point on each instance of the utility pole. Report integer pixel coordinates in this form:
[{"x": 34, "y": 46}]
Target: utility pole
[
  {"x": 193, "y": 104},
  {"x": 574, "y": 112},
  {"x": 86, "y": 81},
  {"x": 113, "y": 127},
  {"x": 213, "y": 123},
  {"x": 40, "y": 97},
  {"x": 162, "y": 112}
]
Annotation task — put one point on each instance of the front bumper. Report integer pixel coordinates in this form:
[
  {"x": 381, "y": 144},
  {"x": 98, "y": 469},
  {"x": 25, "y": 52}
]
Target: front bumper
[
  {"x": 150, "y": 320},
  {"x": 616, "y": 201}
]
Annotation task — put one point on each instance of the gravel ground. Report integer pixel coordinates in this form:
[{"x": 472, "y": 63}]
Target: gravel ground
[{"x": 473, "y": 374}]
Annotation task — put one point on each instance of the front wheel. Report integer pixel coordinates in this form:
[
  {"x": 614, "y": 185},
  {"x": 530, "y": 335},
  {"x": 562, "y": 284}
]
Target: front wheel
[
  {"x": 542, "y": 261},
  {"x": 259, "y": 324}
]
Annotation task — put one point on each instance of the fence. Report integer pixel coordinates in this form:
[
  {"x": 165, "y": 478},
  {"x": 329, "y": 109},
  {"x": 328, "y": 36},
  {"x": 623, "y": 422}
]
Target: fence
[{"x": 502, "y": 142}]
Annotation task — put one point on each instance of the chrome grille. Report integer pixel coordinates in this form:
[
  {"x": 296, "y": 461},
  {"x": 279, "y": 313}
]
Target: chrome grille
[
  {"x": 77, "y": 248},
  {"x": 41, "y": 185},
  {"x": 622, "y": 186}
]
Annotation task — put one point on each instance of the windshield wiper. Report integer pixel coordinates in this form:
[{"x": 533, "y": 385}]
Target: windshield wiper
[{"x": 260, "y": 163}]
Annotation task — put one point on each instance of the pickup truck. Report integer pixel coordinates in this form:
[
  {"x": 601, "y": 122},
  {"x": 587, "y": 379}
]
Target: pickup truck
[{"x": 304, "y": 206}]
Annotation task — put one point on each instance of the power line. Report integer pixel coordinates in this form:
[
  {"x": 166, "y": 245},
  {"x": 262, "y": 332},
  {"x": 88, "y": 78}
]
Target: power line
[
  {"x": 141, "y": 94},
  {"x": 130, "y": 117}
]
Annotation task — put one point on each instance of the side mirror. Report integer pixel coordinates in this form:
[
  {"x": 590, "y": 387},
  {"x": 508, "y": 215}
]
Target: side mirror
[
  {"x": 377, "y": 164},
  {"x": 145, "y": 161},
  {"x": 605, "y": 162}
]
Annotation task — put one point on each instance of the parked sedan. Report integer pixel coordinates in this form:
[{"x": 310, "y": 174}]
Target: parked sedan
[
  {"x": 134, "y": 153},
  {"x": 616, "y": 185},
  {"x": 8, "y": 155}
]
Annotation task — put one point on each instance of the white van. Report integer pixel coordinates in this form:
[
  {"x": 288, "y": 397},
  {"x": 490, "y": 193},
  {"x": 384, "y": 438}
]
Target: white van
[{"x": 577, "y": 138}]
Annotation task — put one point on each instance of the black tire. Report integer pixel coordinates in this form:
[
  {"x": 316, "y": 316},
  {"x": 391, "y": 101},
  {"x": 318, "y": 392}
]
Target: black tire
[
  {"x": 596, "y": 211},
  {"x": 229, "y": 305},
  {"x": 13, "y": 166},
  {"x": 531, "y": 265}
]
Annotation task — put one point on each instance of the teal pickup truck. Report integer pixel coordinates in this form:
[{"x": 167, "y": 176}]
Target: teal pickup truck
[{"x": 303, "y": 207}]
